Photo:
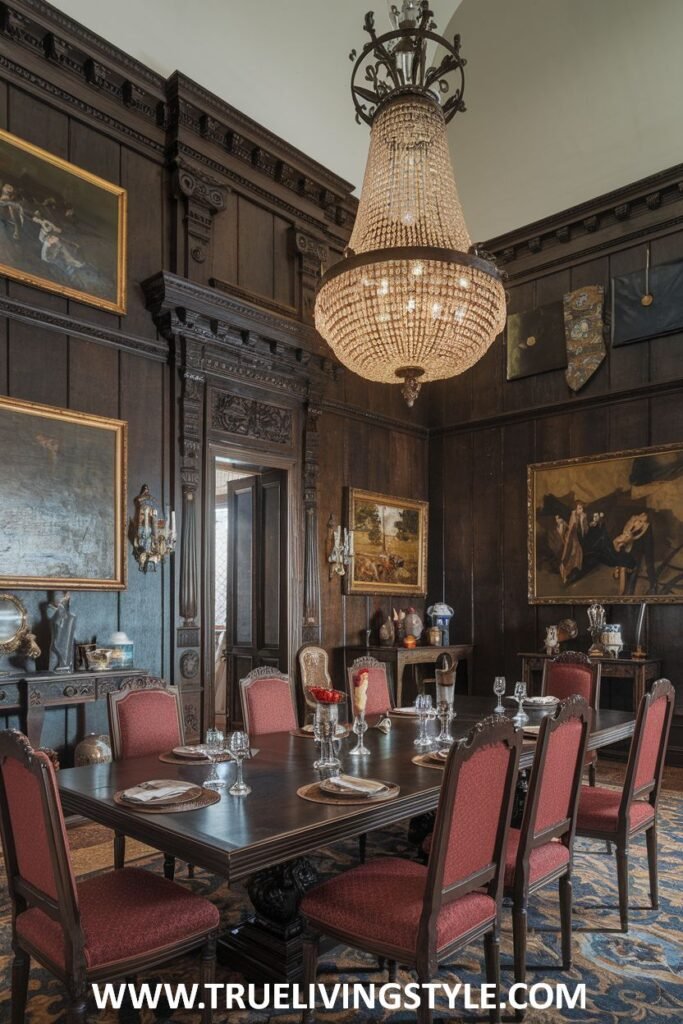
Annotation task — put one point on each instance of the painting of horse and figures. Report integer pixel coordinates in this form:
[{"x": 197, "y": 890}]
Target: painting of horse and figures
[
  {"x": 607, "y": 528},
  {"x": 390, "y": 544}
]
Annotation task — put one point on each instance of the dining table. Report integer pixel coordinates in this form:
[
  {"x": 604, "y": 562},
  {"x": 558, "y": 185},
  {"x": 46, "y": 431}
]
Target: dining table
[{"x": 267, "y": 837}]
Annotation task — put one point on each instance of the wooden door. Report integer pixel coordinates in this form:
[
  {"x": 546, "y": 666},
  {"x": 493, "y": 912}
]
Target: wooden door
[{"x": 256, "y": 616}]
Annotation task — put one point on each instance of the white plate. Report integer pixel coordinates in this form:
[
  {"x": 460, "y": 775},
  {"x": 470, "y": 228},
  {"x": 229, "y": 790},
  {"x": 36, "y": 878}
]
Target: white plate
[{"x": 161, "y": 791}]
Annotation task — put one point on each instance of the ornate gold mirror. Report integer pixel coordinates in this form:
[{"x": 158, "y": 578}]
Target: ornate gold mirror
[{"x": 14, "y": 631}]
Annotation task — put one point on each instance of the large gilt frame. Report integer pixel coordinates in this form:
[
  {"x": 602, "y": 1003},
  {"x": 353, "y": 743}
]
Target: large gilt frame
[
  {"x": 353, "y": 586},
  {"x": 569, "y": 597},
  {"x": 119, "y": 304},
  {"x": 119, "y": 428}
]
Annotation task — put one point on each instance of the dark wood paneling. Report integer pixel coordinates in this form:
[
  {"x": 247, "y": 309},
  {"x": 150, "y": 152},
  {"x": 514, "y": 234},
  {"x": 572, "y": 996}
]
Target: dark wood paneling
[{"x": 255, "y": 252}]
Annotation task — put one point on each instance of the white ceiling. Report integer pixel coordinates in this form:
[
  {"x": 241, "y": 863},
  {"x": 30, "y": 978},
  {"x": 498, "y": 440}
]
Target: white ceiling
[{"x": 566, "y": 98}]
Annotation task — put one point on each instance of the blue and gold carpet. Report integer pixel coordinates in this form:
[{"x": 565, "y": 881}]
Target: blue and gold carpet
[{"x": 636, "y": 977}]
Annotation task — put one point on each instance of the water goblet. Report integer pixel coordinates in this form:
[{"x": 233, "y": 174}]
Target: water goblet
[
  {"x": 240, "y": 748},
  {"x": 521, "y": 718},
  {"x": 213, "y": 746},
  {"x": 499, "y": 690},
  {"x": 426, "y": 713}
]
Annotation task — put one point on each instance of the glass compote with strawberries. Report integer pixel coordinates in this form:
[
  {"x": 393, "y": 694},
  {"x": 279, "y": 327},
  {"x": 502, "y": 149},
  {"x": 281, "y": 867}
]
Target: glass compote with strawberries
[
  {"x": 326, "y": 724},
  {"x": 360, "y": 699}
]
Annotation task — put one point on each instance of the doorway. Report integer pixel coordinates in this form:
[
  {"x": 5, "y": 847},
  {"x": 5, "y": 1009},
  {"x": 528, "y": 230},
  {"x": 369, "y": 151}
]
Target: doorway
[{"x": 249, "y": 576}]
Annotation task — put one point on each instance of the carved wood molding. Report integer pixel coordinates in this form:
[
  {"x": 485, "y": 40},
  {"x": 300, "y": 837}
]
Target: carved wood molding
[
  {"x": 202, "y": 197},
  {"x": 641, "y": 210},
  {"x": 311, "y": 627},
  {"x": 312, "y": 256},
  {"x": 243, "y": 417},
  {"x": 191, "y": 447},
  {"x": 241, "y": 339},
  {"x": 49, "y": 320}
]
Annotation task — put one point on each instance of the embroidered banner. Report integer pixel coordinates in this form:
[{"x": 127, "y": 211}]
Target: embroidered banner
[{"x": 583, "y": 326}]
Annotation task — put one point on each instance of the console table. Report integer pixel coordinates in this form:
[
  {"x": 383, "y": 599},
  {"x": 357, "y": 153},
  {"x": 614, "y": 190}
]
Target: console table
[
  {"x": 29, "y": 696},
  {"x": 398, "y": 657},
  {"x": 641, "y": 671}
]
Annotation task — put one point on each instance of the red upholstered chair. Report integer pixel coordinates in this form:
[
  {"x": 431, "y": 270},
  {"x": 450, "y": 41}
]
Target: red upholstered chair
[
  {"x": 573, "y": 672},
  {"x": 109, "y": 925},
  {"x": 421, "y": 915},
  {"x": 143, "y": 722},
  {"x": 268, "y": 702},
  {"x": 617, "y": 817},
  {"x": 541, "y": 850},
  {"x": 380, "y": 695}
]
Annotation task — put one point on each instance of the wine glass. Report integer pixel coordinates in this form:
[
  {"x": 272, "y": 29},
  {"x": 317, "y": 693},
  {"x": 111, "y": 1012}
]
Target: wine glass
[
  {"x": 240, "y": 748},
  {"x": 213, "y": 746},
  {"x": 521, "y": 718},
  {"x": 499, "y": 690},
  {"x": 426, "y": 713}
]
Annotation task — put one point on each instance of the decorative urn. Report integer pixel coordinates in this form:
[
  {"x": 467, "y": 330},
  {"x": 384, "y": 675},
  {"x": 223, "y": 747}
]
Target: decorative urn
[
  {"x": 441, "y": 615},
  {"x": 92, "y": 750}
]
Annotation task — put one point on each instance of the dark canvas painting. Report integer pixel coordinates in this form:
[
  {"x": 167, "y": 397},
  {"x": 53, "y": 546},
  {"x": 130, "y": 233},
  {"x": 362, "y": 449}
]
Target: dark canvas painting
[
  {"x": 607, "y": 528},
  {"x": 647, "y": 304},
  {"x": 62, "y": 501},
  {"x": 536, "y": 341},
  {"x": 61, "y": 228}
]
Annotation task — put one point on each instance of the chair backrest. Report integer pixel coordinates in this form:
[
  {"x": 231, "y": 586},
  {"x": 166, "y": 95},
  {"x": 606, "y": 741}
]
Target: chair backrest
[
  {"x": 648, "y": 746},
  {"x": 36, "y": 848},
  {"x": 380, "y": 695},
  {"x": 314, "y": 671},
  {"x": 268, "y": 701},
  {"x": 555, "y": 785},
  {"x": 142, "y": 722},
  {"x": 472, "y": 819},
  {"x": 572, "y": 672}
]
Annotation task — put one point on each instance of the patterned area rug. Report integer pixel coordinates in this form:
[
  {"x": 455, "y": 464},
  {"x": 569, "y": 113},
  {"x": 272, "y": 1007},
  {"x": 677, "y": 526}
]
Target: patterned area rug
[{"x": 635, "y": 977}]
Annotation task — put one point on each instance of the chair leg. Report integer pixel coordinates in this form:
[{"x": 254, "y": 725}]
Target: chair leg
[
  {"x": 651, "y": 839},
  {"x": 190, "y": 870},
  {"x": 492, "y": 957},
  {"x": 310, "y": 945},
  {"x": 21, "y": 965},
  {"x": 424, "y": 1011},
  {"x": 393, "y": 970},
  {"x": 169, "y": 867},
  {"x": 362, "y": 847},
  {"x": 77, "y": 1010},
  {"x": 622, "y": 879},
  {"x": 519, "y": 930},
  {"x": 119, "y": 850},
  {"x": 207, "y": 974},
  {"x": 566, "y": 920},
  {"x": 591, "y": 774}
]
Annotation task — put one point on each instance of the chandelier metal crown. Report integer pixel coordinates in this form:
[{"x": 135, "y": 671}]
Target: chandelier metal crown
[{"x": 413, "y": 300}]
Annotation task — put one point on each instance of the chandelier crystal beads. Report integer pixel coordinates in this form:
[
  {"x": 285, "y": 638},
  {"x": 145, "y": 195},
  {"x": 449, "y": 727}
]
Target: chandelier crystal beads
[{"x": 411, "y": 301}]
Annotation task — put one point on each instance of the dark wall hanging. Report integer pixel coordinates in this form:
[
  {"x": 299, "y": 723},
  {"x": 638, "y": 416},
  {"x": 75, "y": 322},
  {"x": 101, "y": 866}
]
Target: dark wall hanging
[
  {"x": 535, "y": 341},
  {"x": 583, "y": 325},
  {"x": 647, "y": 303},
  {"x": 61, "y": 228}
]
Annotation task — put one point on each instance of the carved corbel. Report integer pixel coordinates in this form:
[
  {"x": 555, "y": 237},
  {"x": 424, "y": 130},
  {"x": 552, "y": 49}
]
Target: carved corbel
[
  {"x": 311, "y": 632},
  {"x": 203, "y": 197},
  {"x": 312, "y": 256}
]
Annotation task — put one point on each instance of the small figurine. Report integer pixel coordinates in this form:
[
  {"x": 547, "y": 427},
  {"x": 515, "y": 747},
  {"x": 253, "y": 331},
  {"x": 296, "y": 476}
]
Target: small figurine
[
  {"x": 551, "y": 642},
  {"x": 596, "y": 624},
  {"x": 62, "y": 631},
  {"x": 399, "y": 625},
  {"x": 387, "y": 633}
]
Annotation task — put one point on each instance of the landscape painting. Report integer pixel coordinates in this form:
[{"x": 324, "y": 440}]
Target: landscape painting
[
  {"x": 607, "y": 528},
  {"x": 61, "y": 228},
  {"x": 63, "y": 499},
  {"x": 390, "y": 544}
]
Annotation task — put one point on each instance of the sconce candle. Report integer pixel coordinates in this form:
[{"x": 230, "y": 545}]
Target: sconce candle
[{"x": 154, "y": 538}]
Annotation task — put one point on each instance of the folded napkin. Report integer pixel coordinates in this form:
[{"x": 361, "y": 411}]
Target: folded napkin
[
  {"x": 352, "y": 784},
  {"x": 147, "y": 791},
  {"x": 531, "y": 730},
  {"x": 190, "y": 751}
]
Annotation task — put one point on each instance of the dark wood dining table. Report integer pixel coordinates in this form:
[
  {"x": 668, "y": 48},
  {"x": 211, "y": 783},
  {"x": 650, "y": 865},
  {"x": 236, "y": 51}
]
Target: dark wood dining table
[{"x": 267, "y": 836}]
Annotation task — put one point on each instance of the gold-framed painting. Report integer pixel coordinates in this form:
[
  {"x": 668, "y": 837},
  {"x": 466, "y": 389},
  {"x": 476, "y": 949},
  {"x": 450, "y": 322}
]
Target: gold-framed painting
[
  {"x": 62, "y": 500},
  {"x": 389, "y": 544},
  {"x": 607, "y": 528},
  {"x": 61, "y": 228}
]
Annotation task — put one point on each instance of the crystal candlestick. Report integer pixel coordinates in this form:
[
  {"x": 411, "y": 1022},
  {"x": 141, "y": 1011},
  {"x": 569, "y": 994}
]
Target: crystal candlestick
[{"x": 325, "y": 730}]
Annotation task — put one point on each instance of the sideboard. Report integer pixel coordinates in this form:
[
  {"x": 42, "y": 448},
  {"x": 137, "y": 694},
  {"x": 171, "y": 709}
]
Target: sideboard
[{"x": 397, "y": 658}]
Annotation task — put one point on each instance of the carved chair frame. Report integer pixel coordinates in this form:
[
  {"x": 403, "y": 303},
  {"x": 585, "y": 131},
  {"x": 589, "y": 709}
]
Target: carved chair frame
[
  {"x": 366, "y": 661},
  {"x": 264, "y": 672},
  {"x": 117, "y": 697}
]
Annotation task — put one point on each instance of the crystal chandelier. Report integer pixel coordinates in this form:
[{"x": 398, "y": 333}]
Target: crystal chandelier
[{"x": 412, "y": 300}]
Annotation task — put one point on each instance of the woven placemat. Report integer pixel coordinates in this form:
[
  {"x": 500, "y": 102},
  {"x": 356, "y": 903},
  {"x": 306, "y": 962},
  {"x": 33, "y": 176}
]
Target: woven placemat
[
  {"x": 425, "y": 761},
  {"x": 171, "y": 758},
  {"x": 316, "y": 795},
  {"x": 208, "y": 796}
]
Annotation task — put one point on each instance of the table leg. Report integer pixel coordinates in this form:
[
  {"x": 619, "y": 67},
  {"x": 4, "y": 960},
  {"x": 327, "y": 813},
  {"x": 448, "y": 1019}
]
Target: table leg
[
  {"x": 35, "y": 716},
  {"x": 399, "y": 683},
  {"x": 638, "y": 687},
  {"x": 268, "y": 946}
]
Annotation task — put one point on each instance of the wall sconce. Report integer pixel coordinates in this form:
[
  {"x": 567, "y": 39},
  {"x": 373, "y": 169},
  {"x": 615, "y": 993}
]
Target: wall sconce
[
  {"x": 341, "y": 549},
  {"x": 153, "y": 537}
]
